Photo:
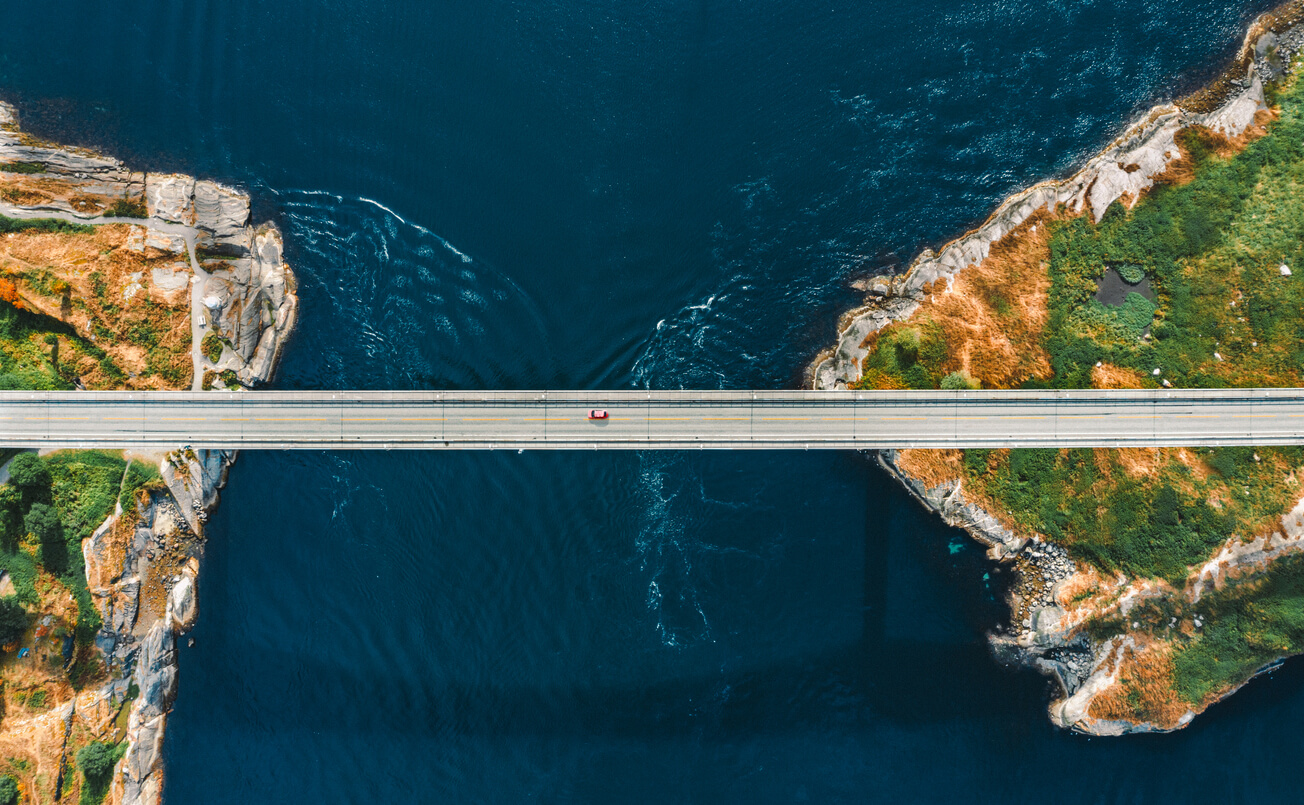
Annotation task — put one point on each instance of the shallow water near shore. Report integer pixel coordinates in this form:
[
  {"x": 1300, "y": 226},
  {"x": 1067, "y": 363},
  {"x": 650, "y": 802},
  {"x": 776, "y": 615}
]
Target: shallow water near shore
[{"x": 605, "y": 195}]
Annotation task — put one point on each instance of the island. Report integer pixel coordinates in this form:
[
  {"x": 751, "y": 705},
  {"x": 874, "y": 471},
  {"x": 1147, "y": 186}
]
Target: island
[
  {"x": 113, "y": 279},
  {"x": 1151, "y": 583}
]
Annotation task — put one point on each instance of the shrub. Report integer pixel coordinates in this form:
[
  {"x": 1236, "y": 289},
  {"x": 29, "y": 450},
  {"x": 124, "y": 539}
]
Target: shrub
[
  {"x": 1131, "y": 274},
  {"x": 975, "y": 461},
  {"x": 96, "y": 761},
  {"x": 212, "y": 346},
  {"x": 42, "y": 521},
  {"x": 959, "y": 381},
  {"x": 13, "y": 619},
  {"x": 8, "y": 790},
  {"x": 11, "y": 517},
  {"x": 30, "y": 475},
  {"x": 122, "y": 208},
  {"x": 1137, "y": 313}
]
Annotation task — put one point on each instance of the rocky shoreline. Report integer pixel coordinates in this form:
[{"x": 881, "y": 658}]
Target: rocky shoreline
[
  {"x": 1042, "y": 634},
  {"x": 142, "y": 565}
]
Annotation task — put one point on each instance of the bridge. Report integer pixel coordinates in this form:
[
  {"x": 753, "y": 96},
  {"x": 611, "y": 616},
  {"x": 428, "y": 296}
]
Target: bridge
[{"x": 650, "y": 420}]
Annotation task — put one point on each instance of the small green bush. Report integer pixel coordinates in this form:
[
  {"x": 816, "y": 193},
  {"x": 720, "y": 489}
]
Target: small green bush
[
  {"x": 1137, "y": 313},
  {"x": 1131, "y": 274},
  {"x": 959, "y": 381},
  {"x": 212, "y": 346},
  {"x": 8, "y": 790},
  {"x": 123, "y": 208}
]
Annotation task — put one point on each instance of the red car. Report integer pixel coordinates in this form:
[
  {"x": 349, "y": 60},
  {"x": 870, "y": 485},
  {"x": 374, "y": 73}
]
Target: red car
[{"x": 597, "y": 413}]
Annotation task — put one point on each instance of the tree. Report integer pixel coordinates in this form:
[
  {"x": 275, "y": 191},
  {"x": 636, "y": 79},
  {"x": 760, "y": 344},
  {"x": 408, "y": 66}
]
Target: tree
[
  {"x": 11, "y": 520},
  {"x": 28, "y": 472},
  {"x": 8, "y": 790},
  {"x": 43, "y": 521},
  {"x": 96, "y": 761},
  {"x": 13, "y": 622}
]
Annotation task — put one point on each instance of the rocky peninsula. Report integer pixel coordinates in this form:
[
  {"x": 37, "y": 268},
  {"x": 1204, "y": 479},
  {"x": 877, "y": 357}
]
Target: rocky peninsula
[
  {"x": 1150, "y": 583},
  {"x": 112, "y": 278}
]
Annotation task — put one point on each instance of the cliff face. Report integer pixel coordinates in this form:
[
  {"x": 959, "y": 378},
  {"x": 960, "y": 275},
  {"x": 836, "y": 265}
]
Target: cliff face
[
  {"x": 1125, "y": 643},
  {"x": 182, "y": 256},
  {"x": 142, "y": 570}
]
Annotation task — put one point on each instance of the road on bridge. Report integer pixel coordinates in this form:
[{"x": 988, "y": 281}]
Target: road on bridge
[{"x": 641, "y": 420}]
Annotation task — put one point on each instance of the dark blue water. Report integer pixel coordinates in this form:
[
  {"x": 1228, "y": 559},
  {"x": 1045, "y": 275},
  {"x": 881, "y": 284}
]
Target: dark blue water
[{"x": 574, "y": 193}]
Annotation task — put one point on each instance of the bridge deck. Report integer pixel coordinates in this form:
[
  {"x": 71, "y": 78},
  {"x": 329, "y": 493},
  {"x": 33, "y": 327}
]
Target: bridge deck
[{"x": 643, "y": 420}]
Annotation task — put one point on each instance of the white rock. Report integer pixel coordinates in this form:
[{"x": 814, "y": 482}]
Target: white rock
[
  {"x": 171, "y": 197},
  {"x": 165, "y": 242},
  {"x": 1284, "y": 269}
]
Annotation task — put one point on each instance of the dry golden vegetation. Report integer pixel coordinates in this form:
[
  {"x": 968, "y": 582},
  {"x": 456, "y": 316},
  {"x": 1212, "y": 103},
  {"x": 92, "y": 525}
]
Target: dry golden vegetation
[{"x": 102, "y": 285}]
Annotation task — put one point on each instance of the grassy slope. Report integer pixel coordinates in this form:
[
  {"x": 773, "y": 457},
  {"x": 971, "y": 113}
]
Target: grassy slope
[
  {"x": 86, "y": 484},
  {"x": 1224, "y": 316}
]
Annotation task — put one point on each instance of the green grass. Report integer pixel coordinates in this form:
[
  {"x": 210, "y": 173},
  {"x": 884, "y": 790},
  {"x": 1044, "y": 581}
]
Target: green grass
[
  {"x": 1154, "y": 526},
  {"x": 8, "y": 225},
  {"x": 22, "y": 167},
  {"x": 1214, "y": 241},
  {"x": 1246, "y": 626},
  {"x": 1211, "y": 249},
  {"x": 24, "y": 353},
  {"x": 909, "y": 357}
]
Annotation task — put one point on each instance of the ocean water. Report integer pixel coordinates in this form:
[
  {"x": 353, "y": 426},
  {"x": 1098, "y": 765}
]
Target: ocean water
[{"x": 602, "y": 194}]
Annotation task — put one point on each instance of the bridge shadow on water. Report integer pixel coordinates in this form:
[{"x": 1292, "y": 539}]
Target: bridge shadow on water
[
  {"x": 907, "y": 700},
  {"x": 921, "y": 657}
]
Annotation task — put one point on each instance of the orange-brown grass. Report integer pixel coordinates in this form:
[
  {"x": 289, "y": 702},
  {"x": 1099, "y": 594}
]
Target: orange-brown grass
[
  {"x": 1137, "y": 462},
  {"x": 932, "y": 467},
  {"x": 78, "y": 262},
  {"x": 1109, "y": 376},
  {"x": 1181, "y": 171},
  {"x": 31, "y": 190},
  {"x": 1144, "y": 690},
  {"x": 993, "y": 314},
  {"x": 1079, "y": 587}
]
